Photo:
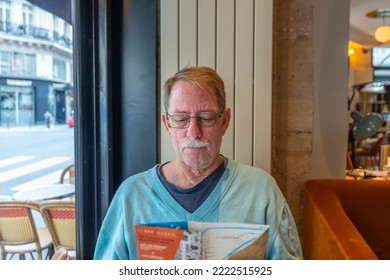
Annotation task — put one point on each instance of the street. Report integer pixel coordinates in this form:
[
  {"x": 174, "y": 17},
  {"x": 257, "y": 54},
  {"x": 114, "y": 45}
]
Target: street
[{"x": 33, "y": 156}]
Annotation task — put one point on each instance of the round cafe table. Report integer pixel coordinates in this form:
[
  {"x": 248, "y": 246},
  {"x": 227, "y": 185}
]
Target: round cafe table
[{"x": 55, "y": 191}]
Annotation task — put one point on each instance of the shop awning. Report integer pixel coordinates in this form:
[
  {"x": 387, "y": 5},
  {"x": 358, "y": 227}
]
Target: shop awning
[{"x": 60, "y": 8}]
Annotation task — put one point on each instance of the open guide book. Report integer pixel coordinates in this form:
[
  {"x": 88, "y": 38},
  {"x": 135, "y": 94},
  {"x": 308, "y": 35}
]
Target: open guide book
[{"x": 201, "y": 241}]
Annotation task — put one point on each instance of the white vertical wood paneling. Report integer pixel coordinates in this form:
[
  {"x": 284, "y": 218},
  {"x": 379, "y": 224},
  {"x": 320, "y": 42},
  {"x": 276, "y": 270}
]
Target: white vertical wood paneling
[
  {"x": 206, "y": 33},
  {"x": 263, "y": 84},
  {"x": 169, "y": 62},
  {"x": 188, "y": 33},
  {"x": 225, "y": 64},
  {"x": 244, "y": 82},
  {"x": 235, "y": 38}
]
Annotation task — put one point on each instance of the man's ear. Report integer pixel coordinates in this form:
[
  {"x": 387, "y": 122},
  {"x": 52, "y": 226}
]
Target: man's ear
[
  {"x": 226, "y": 120},
  {"x": 164, "y": 119}
]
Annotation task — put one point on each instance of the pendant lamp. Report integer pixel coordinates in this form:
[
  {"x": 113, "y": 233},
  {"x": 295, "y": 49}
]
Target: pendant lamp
[
  {"x": 366, "y": 126},
  {"x": 382, "y": 33}
]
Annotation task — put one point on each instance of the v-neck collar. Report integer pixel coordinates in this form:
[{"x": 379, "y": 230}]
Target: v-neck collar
[{"x": 208, "y": 205}]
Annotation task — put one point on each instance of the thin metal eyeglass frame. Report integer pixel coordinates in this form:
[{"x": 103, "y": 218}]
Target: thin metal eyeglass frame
[{"x": 219, "y": 115}]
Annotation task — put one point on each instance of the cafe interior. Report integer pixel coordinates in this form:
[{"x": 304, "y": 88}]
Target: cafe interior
[
  {"x": 308, "y": 83},
  {"x": 345, "y": 218}
]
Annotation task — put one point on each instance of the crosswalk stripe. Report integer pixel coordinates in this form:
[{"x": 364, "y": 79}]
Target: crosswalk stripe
[
  {"x": 14, "y": 160},
  {"x": 42, "y": 181},
  {"x": 30, "y": 168}
]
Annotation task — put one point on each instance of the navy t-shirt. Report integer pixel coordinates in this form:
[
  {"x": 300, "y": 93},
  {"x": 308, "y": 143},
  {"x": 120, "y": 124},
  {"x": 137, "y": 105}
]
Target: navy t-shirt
[{"x": 191, "y": 199}]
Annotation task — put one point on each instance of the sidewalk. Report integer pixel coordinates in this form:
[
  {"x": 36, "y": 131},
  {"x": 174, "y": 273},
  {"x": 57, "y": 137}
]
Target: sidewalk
[{"x": 39, "y": 127}]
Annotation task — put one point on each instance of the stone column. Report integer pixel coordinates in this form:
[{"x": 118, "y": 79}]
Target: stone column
[
  {"x": 310, "y": 79},
  {"x": 293, "y": 94}
]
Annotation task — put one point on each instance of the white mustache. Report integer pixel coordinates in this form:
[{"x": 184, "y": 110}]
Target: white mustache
[{"x": 193, "y": 143}]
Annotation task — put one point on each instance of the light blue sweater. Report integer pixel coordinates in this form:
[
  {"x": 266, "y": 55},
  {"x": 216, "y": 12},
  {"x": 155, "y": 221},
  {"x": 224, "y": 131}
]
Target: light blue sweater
[{"x": 244, "y": 194}]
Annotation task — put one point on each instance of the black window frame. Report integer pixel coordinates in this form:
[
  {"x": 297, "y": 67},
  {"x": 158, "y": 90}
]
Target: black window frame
[{"x": 115, "y": 43}]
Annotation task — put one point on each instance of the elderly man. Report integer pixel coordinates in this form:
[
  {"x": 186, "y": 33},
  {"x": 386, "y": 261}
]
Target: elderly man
[{"x": 200, "y": 184}]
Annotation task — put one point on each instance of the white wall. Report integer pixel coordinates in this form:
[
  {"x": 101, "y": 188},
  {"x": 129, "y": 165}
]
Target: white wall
[
  {"x": 330, "y": 133},
  {"x": 235, "y": 38}
]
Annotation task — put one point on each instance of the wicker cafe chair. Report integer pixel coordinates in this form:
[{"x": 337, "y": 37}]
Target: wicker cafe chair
[
  {"x": 60, "y": 219},
  {"x": 62, "y": 254},
  {"x": 18, "y": 232},
  {"x": 68, "y": 173}
]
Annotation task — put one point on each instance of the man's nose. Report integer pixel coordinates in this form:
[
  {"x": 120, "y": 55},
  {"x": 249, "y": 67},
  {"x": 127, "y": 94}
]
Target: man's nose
[{"x": 194, "y": 129}]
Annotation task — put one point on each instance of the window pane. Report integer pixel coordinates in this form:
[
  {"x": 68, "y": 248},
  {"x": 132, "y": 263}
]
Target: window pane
[
  {"x": 381, "y": 57},
  {"x": 36, "y": 100},
  {"x": 6, "y": 61}
]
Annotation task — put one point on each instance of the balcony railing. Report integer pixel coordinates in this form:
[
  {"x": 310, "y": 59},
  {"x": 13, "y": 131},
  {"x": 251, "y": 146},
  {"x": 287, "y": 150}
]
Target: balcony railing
[{"x": 23, "y": 30}]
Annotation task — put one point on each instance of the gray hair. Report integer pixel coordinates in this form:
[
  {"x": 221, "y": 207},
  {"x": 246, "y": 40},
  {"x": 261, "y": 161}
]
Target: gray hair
[{"x": 200, "y": 76}]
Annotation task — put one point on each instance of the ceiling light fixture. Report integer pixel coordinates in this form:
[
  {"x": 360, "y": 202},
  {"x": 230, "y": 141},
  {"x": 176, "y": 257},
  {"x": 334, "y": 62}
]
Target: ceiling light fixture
[{"x": 382, "y": 33}]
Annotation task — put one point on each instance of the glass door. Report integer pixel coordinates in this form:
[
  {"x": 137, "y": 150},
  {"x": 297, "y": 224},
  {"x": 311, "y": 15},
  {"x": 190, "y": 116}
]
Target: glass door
[{"x": 17, "y": 105}]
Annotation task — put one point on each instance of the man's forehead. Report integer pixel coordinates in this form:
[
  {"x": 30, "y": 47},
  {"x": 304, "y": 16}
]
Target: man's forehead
[
  {"x": 188, "y": 88},
  {"x": 188, "y": 84}
]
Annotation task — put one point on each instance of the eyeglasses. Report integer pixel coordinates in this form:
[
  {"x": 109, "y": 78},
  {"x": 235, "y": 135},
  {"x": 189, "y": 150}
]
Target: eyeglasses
[{"x": 206, "y": 119}]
